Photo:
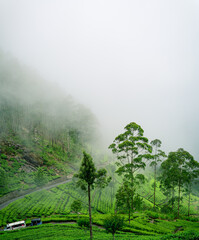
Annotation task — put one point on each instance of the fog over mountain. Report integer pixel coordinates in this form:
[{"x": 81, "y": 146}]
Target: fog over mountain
[{"x": 125, "y": 60}]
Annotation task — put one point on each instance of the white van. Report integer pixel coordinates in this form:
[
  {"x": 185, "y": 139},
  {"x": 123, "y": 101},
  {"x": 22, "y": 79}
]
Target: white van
[{"x": 15, "y": 225}]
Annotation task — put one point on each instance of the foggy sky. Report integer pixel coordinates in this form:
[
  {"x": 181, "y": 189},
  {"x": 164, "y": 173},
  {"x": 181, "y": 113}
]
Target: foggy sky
[{"x": 128, "y": 60}]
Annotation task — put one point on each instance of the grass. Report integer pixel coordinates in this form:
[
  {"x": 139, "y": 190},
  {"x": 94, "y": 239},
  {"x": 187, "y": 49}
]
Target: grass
[{"x": 73, "y": 232}]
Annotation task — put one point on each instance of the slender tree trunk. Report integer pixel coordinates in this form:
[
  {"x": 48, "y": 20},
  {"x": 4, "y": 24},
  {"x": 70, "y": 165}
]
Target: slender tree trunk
[
  {"x": 189, "y": 202},
  {"x": 189, "y": 205},
  {"x": 172, "y": 199},
  {"x": 132, "y": 192},
  {"x": 129, "y": 213},
  {"x": 89, "y": 207},
  {"x": 154, "y": 186},
  {"x": 132, "y": 203},
  {"x": 111, "y": 197},
  {"x": 113, "y": 236},
  {"x": 179, "y": 199},
  {"x": 112, "y": 191}
]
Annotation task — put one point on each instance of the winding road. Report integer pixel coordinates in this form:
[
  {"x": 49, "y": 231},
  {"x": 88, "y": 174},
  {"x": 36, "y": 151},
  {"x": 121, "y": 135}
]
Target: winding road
[{"x": 4, "y": 204}]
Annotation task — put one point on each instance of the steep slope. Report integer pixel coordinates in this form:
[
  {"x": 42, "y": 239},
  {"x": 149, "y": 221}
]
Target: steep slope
[{"x": 42, "y": 130}]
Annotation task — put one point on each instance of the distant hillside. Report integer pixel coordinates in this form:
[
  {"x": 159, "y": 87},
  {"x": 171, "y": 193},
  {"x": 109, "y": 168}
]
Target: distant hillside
[{"x": 42, "y": 130}]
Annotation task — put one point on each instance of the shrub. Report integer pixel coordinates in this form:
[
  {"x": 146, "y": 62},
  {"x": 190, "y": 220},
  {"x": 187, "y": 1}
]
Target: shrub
[
  {"x": 76, "y": 206},
  {"x": 113, "y": 224}
]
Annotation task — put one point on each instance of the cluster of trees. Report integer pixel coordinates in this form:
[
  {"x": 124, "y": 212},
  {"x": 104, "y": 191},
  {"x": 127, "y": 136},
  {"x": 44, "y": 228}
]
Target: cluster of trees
[{"x": 177, "y": 171}]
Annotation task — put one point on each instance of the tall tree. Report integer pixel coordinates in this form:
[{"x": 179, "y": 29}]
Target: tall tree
[
  {"x": 112, "y": 184},
  {"x": 168, "y": 182},
  {"x": 89, "y": 178},
  {"x": 132, "y": 150},
  {"x": 125, "y": 201},
  {"x": 158, "y": 155}
]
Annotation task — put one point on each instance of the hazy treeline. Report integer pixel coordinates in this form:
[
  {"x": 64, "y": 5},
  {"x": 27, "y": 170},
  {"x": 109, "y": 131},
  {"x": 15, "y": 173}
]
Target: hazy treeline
[
  {"x": 28, "y": 104},
  {"x": 41, "y": 128}
]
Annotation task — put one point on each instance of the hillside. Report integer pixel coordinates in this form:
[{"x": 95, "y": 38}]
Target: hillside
[
  {"x": 42, "y": 130},
  {"x": 55, "y": 203},
  {"x": 42, "y": 135}
]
